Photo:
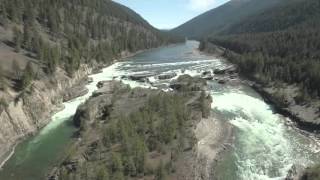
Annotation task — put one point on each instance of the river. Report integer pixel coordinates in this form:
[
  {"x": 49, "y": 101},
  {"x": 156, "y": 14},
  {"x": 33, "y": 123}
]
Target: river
[{"x": 265, "y": 147}]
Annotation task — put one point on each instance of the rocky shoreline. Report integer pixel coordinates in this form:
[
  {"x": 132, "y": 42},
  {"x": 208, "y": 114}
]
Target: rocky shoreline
[
  {"x": 32, "y": 110},
  {"x": 286, "y": 110},
  {"x": 47, "y": 95},
  {"x": 200, "y": 151},
  {"x": 305, "y": 115},
  {"x": 215, "y": 138}
]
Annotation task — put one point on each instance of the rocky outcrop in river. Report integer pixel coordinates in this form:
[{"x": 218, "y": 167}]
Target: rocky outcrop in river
[{"x": 162, "y": 124}]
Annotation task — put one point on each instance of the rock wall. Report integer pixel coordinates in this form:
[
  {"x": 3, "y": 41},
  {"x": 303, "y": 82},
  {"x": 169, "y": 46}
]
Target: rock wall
[
  {"x": 32, "y": 109},
  {"x": 305, "y": 114}
]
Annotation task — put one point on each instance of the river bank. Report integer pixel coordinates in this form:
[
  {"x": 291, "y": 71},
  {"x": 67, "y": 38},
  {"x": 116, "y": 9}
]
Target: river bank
[
  {"x": 27, "y": 114},
  {"x": 283, "y": 97},
  {"x": 199, "y": 149},
  {"x": 32, "y": 110},
  {"x": 215, "y": 139},
  {"x": 264, "y": 146}
]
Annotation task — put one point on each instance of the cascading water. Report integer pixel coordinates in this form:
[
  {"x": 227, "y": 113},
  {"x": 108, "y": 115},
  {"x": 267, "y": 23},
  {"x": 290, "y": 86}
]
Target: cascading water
[{"x": 265, "y": 148}]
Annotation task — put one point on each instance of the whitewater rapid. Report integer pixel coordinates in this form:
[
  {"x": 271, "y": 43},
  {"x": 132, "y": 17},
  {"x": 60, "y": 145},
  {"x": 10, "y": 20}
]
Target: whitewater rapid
[{"x": 265, "y": 148}]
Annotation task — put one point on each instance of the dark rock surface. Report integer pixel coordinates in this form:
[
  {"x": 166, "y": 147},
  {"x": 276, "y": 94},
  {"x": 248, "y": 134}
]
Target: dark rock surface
[
  {"x": 114, "y": 98},
  {"x": 221, "y": 81},
  {"x": 188, "y": 83},
  {"x": 294, "y": 172},
  {"x": 228, "y": 70},
  {"x": 219, "y": 71},
  {"x": 140, "y": 77},
  {"x": 96, "y": 105},
  {"x": 74, "y": 92},
  {"x": 289, "y": 108},
  {"x": 167, "y": 76}
]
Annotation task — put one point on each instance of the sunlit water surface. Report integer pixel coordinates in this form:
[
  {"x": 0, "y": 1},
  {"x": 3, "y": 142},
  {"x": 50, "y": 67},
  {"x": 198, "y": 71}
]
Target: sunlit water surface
[{"x": 265, "y": 148}]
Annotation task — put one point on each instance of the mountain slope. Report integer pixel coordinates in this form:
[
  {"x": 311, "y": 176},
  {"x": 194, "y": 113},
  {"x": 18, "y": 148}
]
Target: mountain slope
[
  {"x": 282, "y": 44},
  {"x": 222, "y": 17},
  {"x": 289, "y": 14},
  {"x": 279, "y": 49},
  {"x": 96, "y": 30},
  {"x": 49, "y": 35},
  {"x": 47, "y": 47}
]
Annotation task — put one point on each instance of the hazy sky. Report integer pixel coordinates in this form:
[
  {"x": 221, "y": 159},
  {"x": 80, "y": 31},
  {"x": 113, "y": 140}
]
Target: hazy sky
[{"x": 167, "y": 14}]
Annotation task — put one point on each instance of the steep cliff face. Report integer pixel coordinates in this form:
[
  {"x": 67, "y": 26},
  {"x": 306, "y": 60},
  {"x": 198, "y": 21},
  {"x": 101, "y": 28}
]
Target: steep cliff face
[
  {"x": 25, "y": 115},
  {"x": 61, "y": 40},
  {"x": 140, "y": 134}
]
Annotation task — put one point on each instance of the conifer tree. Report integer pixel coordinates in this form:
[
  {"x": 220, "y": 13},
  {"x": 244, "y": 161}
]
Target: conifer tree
[
  {"x": 27, "y": 76},
  {"x": 16, "y": 69},
  {"x": 17, "y": 38},
  {"x": 3, "y": 80}
]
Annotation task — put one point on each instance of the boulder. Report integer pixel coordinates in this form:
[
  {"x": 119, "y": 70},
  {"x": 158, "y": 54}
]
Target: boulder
[
  {"x": 208, "y": 77},
  {"x": 96, "y": 106},
  {"x": 160, "y": 86},
  {"x": 90, "y": 80},
  {"x": 232, "y": 70},
  {"x": 221, "y": 81},
  {"x": 206, "y": 73},
  {"x": 219, "y": 71},
  {"x": 167, "y": 76},
  {"x": 233, "y": 76},
  {"x": 102, "y": 83},
  {"x": 75, "y": 92},
  {"x": 141, "y": 77},
  {"x": 107, "y": 87},
  {"x": 227, "y": 70},
  {"x": 294, "y": 172},
  {"x": 188, "y": 83}
]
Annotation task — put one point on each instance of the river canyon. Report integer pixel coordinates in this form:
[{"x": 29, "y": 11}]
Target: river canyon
[{"x": 266, "y": 144}]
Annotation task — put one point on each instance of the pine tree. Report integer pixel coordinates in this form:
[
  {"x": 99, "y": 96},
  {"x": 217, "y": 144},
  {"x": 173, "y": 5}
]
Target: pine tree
[
  {"x": 102, "y": 174},
  {"x": 116, "y": 162},
  {"x": 17, "y": 38},
  {"x": 16, "y": 69},
  {"x": 27, "y": 76},
  {"x": 3, "y": 81},
  {"x": 130, "y": 168},
  {"x": 118, "y": 176},
  {"x": 3, "y": 14},
  {"x": 203, "y": 105},
  {"x": 160, "y": 174},
  {"x": 139, "y": 150},
  {"x": 27, "y": 36}
]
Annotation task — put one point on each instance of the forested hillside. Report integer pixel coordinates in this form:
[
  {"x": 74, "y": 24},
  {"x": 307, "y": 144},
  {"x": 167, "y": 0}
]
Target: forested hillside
[
  {"x": 221, "y": 18},
  {"x": 48, "y": 35},
  {"x": 153, "y": 139},
  {"x": 280, "y": 44}
]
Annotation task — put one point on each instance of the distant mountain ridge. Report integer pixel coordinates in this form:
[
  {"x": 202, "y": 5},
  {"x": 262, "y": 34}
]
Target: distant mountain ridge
[
  {"x": 47, "y": 47},
  {"x": 220, "y": 18},
  {"x": 279, "y": 49}
]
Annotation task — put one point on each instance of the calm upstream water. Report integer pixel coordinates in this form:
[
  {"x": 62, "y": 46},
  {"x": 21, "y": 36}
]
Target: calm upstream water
[{"x": 265, "y": 148}]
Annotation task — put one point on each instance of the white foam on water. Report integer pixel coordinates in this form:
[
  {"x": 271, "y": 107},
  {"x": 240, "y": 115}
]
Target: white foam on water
[
  {"x": 130, "y": 65},
  {"x": 264, "y": 150},
  {"x": 70, "y": 107}
]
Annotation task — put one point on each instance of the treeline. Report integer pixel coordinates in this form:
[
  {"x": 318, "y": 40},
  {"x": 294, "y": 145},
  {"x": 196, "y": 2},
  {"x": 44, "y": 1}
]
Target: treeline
[
  {"x": 123, "y": 152},
  {"x": 287, "y": 14},
  {"x": 269, "y": 53},
  {"x": 68, "y": 33}
]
